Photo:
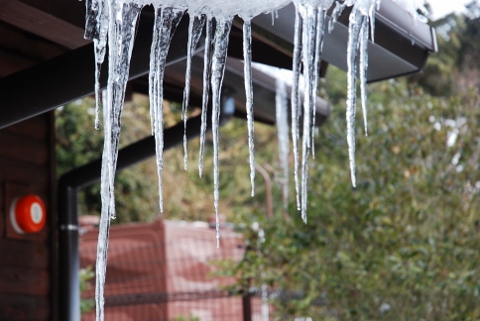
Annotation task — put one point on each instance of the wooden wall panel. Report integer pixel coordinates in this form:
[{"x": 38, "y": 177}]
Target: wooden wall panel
[
  {"x": 24, "y": 280},
  {"x": 23, "y": 148},
  {"x": 23, "y": 307},
  {"x": 35, "y": 128},
  {"x": 33, "y": 254},
  {"x": 23, "y": 172},
  {"x": 26, "y": 166}
]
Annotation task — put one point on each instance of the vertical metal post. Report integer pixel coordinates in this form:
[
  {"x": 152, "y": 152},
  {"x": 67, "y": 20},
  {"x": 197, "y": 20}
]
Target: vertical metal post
[
  {"x": 247, "y": 306},
  {"x": 68, "y": 252}
]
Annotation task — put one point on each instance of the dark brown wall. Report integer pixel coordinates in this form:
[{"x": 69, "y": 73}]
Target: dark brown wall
[{"x": 26, "y": 166}]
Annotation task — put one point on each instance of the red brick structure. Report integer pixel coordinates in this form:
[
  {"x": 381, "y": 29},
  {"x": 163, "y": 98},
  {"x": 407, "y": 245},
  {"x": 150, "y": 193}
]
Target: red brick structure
[{"x": 165, "y": 270}]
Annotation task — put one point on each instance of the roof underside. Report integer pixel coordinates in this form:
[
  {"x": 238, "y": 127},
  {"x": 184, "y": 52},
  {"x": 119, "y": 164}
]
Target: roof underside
[{"x": 35, "y": 31}]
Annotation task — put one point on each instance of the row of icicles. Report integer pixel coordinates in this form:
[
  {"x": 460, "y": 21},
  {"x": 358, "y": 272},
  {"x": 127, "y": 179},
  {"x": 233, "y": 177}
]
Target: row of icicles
[{"x": 115, "y": 21}]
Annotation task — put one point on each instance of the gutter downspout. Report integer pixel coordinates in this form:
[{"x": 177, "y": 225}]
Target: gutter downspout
[{"x": 83, "y": 176}]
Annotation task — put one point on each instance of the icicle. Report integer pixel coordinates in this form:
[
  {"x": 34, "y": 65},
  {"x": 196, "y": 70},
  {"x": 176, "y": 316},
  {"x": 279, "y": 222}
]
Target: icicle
[
  {"x": 337, "y": 11},
  {"x": 247, "y": 56},
  {"x": 371, "y": 18},
  {"x": 309, "y": 16},
  {"x": 122, "y": 22},
  {"x": 99, "y": 57},
  {"x": 104, "y": 227},
  {"x": 281, "y": 114},
  {"x": 363, "y": 66},
  {"x": 195, "y": 28},
  {"x": 218, "y": 68},
  {"x": 308, "y": 44},
  {"x": 265, "y": 307},
  {"x": 166, "y": 21},
  {"x": 153, "y": 84},
  {"x": 356, "y": 18},
  {"x": 306, "y": 126},
  {"x": 96, "y": 29},
  {"x": 207, "y": 72},
  {"x": 320, "y": 24},
  {"x": 295, "y": 98}
]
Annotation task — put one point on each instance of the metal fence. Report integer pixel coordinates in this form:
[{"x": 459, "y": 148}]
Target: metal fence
[{"x": 167, "y": 271}]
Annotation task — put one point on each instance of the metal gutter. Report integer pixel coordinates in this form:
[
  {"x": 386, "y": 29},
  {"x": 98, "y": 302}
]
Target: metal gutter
[
  {"x": 401, "y": 45},
  {"x": 264, "y": 87}
]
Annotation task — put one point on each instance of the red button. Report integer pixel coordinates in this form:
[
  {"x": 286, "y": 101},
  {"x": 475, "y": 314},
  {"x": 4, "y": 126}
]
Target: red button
[{"x": 28, "y": 214}]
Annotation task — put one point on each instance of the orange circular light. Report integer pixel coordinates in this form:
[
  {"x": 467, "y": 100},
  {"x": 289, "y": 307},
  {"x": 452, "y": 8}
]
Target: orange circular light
[{"x": 28, "y": 214}]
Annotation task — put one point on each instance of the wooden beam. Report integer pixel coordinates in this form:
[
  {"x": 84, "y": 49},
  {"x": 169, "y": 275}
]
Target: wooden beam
[
  {"x": 42, "y": 24},
  {"x": 11, "y": 63}
]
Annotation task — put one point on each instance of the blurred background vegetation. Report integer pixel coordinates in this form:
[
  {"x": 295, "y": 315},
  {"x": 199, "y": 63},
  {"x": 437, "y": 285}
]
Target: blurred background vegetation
[{"x": 403, "y": 245}]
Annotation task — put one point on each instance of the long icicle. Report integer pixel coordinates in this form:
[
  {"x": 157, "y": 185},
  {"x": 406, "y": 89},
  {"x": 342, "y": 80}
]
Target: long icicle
[
  {"x": 295, "y": 101},
  {"x": 247, "y": 70},
  {"x": 320, "y": 22},
  {"x": 207, "y": 72},
  {"x": 99, "y": 57},
  {"x": 153, "y": 83},
  {"x": 104, "y": 227},
  {"x": 156, "y": 97},
  {"x": 308, "y": 46},
  {"x": 218, "y": 68},
  {"x": 281, "y": 118},
  {"x": 356, "y": 18},
  {"x": 96, "y": 29},
  {"x": 363, "y": 67},
  {"x": 122, "y": 34},
  {"x": 195, "y": 28},
  {"x": 166, "y": 22}
]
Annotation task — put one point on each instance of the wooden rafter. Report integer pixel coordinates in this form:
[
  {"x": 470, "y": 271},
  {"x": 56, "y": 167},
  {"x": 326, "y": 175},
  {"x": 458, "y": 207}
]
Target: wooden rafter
[{"x": 42, "y": 24}]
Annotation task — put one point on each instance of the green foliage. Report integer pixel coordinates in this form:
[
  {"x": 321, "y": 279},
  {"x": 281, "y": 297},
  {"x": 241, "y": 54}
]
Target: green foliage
[
  {"x": 85, "y": 275},
  {"x": 470, "y": 36},
  {"x": 404, "y": 244},
  {"x": 136, "y": 188},
  {"x": 195, "y": 200},
  {"x": 455, "y": 66},
  {"x": 78, "y": 143},
  {"x": 184, "y": 318}
]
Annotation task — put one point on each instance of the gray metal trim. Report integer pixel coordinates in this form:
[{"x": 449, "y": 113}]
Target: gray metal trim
[{"x": 402, "y": 44}]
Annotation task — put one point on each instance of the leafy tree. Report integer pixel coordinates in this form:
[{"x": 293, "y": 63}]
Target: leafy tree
[
  {"x": 78, "y": 143},
  {"x": 85, "y": 275},
  {"x": 404, "y": 244},
  {"x": 184, "y": 318},
  {"x": 457, "y": 38},
  {"x": 186, "y": 195},
  {"x": 470, "y": 36}
]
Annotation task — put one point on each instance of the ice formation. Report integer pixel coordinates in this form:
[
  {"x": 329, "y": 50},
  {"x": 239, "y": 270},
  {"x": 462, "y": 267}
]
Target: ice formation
[
  {"x": 281, "y": 119},
  {"x": 114, "y": 21}
]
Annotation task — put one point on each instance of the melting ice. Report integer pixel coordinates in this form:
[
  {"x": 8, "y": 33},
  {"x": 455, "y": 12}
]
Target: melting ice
[{"x": 114, "y": 21}]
